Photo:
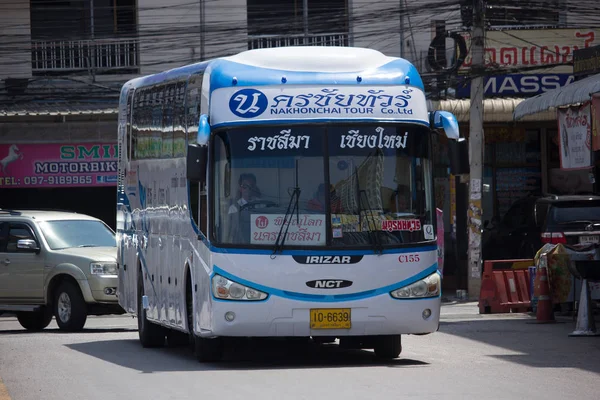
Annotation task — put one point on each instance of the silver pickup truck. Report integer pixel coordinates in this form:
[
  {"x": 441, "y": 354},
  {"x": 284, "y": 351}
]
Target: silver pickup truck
[{"x": 57, "y": 264}]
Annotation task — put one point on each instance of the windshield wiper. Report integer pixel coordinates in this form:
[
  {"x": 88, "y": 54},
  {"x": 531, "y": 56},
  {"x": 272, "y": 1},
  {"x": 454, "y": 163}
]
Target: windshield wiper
[
  {"x": 87, "y": 245},
  {"x": 373, "y": 233},
  {"x": 294, "y": 197}
]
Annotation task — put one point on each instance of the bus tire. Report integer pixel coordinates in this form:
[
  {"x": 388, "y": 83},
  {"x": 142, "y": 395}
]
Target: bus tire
[
  {"x": 151, "y": 335},
  {"x": 388, "y": 347},
  {"x": 208, "y": 350}
]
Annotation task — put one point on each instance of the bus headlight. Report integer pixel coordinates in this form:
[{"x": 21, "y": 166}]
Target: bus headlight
[
  {"x": 426, "y": 287},
  {"x": 226, "y": 289}
]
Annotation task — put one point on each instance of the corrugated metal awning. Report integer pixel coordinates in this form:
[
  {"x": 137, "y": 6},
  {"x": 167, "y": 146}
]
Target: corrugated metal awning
[
  {"x": 574, "y": 93},
  {"x": 494, "y": 110},
  {"x": 34, "y": 108}
]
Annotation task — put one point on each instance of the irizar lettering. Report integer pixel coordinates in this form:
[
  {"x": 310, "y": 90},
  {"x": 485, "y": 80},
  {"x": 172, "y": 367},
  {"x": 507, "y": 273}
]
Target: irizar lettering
[{"x": 328, "y": 260}]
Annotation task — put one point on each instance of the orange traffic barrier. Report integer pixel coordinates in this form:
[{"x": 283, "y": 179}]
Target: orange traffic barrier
[
  {"x": 505, "y": 289},
  {"x": 545, "y": 309}
]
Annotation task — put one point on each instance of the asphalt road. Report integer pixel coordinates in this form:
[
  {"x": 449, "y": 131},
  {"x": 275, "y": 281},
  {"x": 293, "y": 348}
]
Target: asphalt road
[{"x": 471, "y": 357}]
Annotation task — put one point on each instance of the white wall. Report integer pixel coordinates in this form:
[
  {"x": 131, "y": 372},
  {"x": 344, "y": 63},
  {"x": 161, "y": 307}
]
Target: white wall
[
  {"x": 183, "y": 33},
  {"x": 226, "y": 27},
  {"x": 15, "y": 39},
  {"x": 169, "y": 36}
]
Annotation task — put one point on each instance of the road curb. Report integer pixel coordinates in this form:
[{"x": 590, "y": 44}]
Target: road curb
[{"x": 3, "y": 391}]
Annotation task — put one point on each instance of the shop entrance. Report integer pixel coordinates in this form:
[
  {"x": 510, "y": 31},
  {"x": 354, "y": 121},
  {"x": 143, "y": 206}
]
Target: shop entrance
[{"x": 96, "y": 202}]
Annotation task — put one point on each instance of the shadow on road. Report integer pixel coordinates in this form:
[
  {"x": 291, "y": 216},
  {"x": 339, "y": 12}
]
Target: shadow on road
[
  {"x": 539, "y": 345},
  {"x": 56, "y": 330},
  {"x": 250, "y": 355}
]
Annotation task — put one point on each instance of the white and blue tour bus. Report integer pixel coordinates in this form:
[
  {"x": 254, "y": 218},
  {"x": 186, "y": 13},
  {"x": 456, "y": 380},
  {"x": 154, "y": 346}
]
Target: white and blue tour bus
[{"x": 283, "y": 192}]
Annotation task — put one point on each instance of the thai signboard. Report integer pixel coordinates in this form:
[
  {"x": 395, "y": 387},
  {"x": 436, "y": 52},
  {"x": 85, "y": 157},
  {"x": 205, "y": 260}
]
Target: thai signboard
[
  {"x": 586, "y": 62},
  {"x": 265, "y": 103},
  {"x": 306, "y": 229},
  {"x": 575, "y": 137},
  {"x": 540, "y": 50},
  {"x": 46, "y": 165},
  {"x": 515, "y": 85}
]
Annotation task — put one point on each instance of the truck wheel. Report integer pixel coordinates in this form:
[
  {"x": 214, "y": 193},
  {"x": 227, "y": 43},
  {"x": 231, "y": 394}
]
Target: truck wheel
[
  {"x": 388, "y": 347},
  {"x": 151, "y": 335},
  {"x": 35, "y": 320},
  {"x": 70, "y": 309}
]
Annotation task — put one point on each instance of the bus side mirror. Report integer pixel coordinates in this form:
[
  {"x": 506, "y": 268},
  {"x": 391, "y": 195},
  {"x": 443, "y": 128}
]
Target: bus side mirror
[
  {"x": 197, "y": 153},
  {"x": 203, "y": 130},
  {"x": 459, "y": 156},
  {"x": 197, "y": 159},
  {"x": 445, "y": 120},
  {"x": 458, "y": 147}
]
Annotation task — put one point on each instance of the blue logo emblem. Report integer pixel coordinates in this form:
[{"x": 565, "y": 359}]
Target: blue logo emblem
[
  {"x": 248, "y": 103},
  {"x": 342, "y": 165}
]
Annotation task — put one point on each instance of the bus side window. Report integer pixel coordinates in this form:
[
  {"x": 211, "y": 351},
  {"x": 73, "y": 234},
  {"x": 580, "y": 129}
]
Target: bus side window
[
  {"x": 135, "y": 124},
  {"x": 129, "y": 123},
  {"x": 167, "y": 122}
]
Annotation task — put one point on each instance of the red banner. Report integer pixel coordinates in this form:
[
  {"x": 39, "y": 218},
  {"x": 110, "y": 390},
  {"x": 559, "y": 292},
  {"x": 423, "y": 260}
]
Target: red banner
[{"x": 58, "y": 165}]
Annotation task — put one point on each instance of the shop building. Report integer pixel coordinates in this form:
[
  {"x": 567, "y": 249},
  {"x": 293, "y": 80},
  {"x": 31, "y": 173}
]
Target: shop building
[{"x": 521, "y": 157}]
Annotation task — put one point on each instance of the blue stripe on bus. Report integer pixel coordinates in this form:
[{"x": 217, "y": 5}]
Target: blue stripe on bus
[
  {"x": 392, "y": 73},
  {"x": 322, "y": 251},
  {"x": 321, "y": 120},
  {"x": 327, "y": 298}
]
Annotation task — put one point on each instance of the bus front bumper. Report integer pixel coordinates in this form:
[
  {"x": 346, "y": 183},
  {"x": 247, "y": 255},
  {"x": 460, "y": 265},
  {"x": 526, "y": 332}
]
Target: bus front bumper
[{"x": 280, "y": 317}]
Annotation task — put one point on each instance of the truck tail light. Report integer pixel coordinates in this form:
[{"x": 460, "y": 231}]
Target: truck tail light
[{"x": 554, "y": 238}]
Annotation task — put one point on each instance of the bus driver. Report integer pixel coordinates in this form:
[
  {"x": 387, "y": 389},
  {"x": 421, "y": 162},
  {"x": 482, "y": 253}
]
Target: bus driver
[{"x": 247, "y": 192}]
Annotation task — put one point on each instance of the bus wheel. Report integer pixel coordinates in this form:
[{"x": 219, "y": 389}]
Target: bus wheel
[
  {"x": 388, "y": 347},
  {"x": 208, "y": 350},
  {"x": 151, "y": 335}
]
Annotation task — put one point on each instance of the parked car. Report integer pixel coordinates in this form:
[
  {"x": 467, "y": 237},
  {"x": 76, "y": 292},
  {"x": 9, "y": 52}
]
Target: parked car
[
  {"x": 57, "y": 264},
  {"x": 533, "y": 221}
]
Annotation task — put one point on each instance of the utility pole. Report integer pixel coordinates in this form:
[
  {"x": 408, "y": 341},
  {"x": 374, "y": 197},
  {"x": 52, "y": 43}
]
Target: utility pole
[
  {"x": 476, "y": 146},
  {"x": 401, "y": 28}
]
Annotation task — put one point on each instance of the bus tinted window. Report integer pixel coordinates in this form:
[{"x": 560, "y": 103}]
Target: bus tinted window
[
  {"x": 255, "y": 174},
  {"x": 377, "y": 176}
]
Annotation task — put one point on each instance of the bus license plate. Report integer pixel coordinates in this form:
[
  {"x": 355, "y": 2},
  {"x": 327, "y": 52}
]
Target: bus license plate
[{"x": 330, "y": 318}]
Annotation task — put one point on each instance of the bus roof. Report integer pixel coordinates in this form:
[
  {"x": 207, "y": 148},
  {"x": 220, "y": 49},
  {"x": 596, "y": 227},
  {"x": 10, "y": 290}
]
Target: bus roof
[{"x": 316, "y": 65}]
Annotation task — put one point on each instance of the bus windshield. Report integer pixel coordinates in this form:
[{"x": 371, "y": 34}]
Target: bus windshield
[{"x": 344, "y": 186}]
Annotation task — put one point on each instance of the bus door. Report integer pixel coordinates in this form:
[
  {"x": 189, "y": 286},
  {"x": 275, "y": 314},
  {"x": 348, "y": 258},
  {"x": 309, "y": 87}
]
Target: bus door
[{"x": 127, "y": 288}]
